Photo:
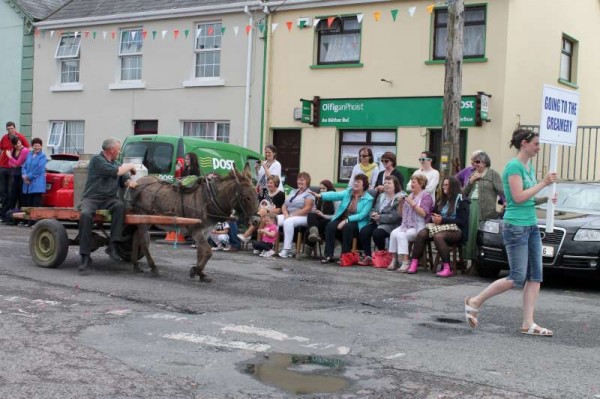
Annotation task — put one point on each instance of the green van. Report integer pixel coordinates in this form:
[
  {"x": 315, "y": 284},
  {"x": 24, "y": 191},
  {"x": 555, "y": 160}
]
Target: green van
[{"x": 164, "y": 155}]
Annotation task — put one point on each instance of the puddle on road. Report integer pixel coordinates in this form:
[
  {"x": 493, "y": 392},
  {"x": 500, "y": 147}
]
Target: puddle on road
[
  {"x": 449, "y": 320},
  {"x": 299, "y": 374}
]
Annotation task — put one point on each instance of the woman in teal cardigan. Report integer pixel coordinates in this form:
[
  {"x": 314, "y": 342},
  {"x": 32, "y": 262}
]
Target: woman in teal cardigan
[{"x": 351, "y": 216}]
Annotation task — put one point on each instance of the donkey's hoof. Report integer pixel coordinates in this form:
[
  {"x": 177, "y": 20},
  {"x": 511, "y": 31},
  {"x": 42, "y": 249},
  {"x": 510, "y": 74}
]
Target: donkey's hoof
[
  {"x": 154, "y": 272},
  {"x": 206, "y": 279},
  {"x": 193, "y": 271},
  {"x": 137, "y": 269}
]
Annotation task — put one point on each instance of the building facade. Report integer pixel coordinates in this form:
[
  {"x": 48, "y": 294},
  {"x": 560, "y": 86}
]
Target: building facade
[
  {"x": 135, "y": 67},
  {"x": 378, "y": 70}
]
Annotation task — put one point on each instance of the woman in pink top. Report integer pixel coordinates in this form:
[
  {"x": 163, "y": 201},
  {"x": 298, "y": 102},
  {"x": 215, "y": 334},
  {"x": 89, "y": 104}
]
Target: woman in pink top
[{"x": 16, "y": 158}]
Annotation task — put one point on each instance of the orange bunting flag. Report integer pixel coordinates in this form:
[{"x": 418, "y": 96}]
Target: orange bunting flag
[
  {"x": 330, "y": 21},
  {"x": 113, "y": 34},
  {"x": 86, "y": 33},
  {"x": 210, "y": 30},
  {"x": 144, "y": 34},
  {"x": 37, "y": 32},
  {"x": 430, "y": 8},
  {"x": 248, "y": 29},
  {"x": 377, "y": 15},
  {"x": 175, "y": 33},
  {"x": 289, "y": 25}
]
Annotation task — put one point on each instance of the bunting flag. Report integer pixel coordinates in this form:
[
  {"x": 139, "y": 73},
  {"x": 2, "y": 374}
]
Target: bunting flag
[
  {"x": 51, "y": 34},
  {"x": 175, "y": 33},
  {"x": 236, "y": 30},
  {"x": 223, "y": 30},
  {"x": 248, "y": 29},
  {"x": 76, "y": 34},
  {"x": 154, "y": 35},
  {"x": 377, "y": 16},
  {"x": 36, "y": 32},
  {"x": 186, "y": 32},
  {"x": 144, "y": 34},
  {"x": 133, "y": 34},
  {"x": 164, "y": 33},
  {"x": 86, "y": 34},
  {"x": 113, "y": 34},
  {"x": 394, "y": 13},
  {"x": 430, "y": 8},
  {"x": 94, "y": 35},
  {"x": 104, "y": 35},
  {"x": 330, "y": 21},
  {"x": 261, "y": 27},
  {"x": 274, "y": 26},
  {"x": 316, "y": 22},
  {"x": 198, "y": 32},
  {"x": 302, "y": 23},
  {"x": 411, "y": 11},
  {"x": 359, "y": 18},
  {"x": 289, "y": 25},
  {"x": 210, "y": 31}
]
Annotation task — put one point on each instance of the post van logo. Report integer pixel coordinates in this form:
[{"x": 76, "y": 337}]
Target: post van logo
[{"x": 215, "y": 163}]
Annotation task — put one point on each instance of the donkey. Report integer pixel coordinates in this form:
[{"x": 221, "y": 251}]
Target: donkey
[{"x": 210, "y": 200}]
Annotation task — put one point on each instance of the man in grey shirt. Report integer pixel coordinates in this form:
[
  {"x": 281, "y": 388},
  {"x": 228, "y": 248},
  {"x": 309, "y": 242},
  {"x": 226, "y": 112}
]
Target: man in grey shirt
[{"x": 105, "y": 176}]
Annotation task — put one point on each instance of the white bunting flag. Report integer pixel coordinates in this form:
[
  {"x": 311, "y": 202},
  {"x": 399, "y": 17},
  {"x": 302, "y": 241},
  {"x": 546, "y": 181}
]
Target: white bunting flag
[
  {"x": 359, "y": 17},
  {"x": 316, "y": 22},
  {"x": 164, "y": 33},
  {"x": 76, "y": 34},
  {"x": 411, "y": 11},
  {"x": 198, "y": 32},
  {"x": 51, "y": 34},
  {"x": 273, "y": 27},
  {"x": 104, "y": 35},
  {"x": 133, "y": 32},
  {"x": 236, "y": 30}
]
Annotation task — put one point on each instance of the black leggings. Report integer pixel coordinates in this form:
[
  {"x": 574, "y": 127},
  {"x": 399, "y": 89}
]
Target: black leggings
[
  {"x": 379, "y": 236},
  {"x": 348, "y": 232},
  {"x": 262, "y": 246},
  {"x": 442, "y": 240}
]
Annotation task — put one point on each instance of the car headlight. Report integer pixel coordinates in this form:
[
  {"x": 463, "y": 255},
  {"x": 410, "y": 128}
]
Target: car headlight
[
  {"x": 587, "y": 235},
  {"x": 490, "y": 227}
]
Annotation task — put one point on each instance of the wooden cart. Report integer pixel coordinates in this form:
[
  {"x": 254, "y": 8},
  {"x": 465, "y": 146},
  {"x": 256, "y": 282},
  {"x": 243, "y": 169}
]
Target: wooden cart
[{"x": 49, "y": 242}]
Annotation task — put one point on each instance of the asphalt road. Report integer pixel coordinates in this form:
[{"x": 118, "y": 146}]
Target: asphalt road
[{"x": 266, "y": 328}]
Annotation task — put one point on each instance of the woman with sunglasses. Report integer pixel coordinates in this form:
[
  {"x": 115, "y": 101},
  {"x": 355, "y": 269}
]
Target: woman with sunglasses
[
  {"x": 464, "y": 174},
  {"x": 432, "y": 175},
  {"x": 520, "y": 235},
  {"x": 351, "y": 216},
  {"x": 366, "y": 166},
  {"x": 483, "y": 189},
  {"x": 296, "y": 207},
  {"x": 388, "y": 160}
]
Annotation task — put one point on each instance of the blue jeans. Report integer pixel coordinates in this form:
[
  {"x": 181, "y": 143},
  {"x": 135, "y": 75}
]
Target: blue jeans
[
  {"x": 524, "y": 251},
  {"x": 234, "y": 240}
]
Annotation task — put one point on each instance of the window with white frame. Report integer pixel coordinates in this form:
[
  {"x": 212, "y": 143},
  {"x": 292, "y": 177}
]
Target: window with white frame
[
  {"x": 351, "y": 141},
  {"x": 67, "y": 54},
  {"x": 218, "y": 131},
  {"x": 338, "y": 40},
  {"x": 567, "y": 59},
  {"x": 130, "y": 53},
  {"x": 208, "y": 50},
  {"x": 473, "y": 33},
  {"x": 66, "y": 137}
]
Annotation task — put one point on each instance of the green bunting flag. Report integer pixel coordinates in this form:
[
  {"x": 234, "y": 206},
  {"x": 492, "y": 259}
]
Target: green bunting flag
[
  {"x": 187, "y": 32},
  {"x": 261, "y": 26},
  {"x": 394, "y": 14},
  {"x": 153, "y": 35},
  {"x": 223, "y": 30}
]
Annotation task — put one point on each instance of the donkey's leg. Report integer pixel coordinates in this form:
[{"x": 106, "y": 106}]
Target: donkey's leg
[
  {"x": 135, "y": 249},
  {"x": 145, "y": 245},
  {"x": 203, "y": 254}
]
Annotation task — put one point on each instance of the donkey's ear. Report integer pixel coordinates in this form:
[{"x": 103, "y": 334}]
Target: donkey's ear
[{"x": 247, "y": 174}]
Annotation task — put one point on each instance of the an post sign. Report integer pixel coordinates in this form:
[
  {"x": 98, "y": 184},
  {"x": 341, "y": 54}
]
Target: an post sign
[
  {"x": 390, "y": 112},
  {"x": 306, "y": 111},
  {"x": 560, "y": 108}
]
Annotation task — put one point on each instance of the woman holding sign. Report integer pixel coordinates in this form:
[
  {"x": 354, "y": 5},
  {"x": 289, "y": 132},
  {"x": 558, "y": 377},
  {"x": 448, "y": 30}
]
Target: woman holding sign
[{"x": 520, "y": 234}]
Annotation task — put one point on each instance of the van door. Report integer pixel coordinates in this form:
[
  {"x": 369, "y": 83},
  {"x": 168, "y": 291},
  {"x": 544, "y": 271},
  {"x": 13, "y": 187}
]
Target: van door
[{"x": 287, "y": 142}]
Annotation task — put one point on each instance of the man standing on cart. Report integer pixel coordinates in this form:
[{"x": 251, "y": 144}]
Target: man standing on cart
[{"x": 105, "y": 176}]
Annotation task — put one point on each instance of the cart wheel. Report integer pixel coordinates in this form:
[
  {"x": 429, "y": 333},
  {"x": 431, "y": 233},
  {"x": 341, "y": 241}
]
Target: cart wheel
[{"x": 48, "y": 243}]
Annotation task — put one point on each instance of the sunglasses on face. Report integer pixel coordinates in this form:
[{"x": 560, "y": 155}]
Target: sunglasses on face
[
  {"x": 476, "y": 162},
  {"x": 424, "y": 159},
  {"x": 385, "y": 160},
  {"x": 364, "y": 156}
]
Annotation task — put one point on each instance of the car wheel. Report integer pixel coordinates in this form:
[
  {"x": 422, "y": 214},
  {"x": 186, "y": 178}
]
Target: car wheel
[
  {"x": 48, "y": 243},
  {"x": 487, "y": 271}
]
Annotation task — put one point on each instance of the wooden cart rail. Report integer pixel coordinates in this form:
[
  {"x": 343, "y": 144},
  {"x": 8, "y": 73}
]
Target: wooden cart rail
[{"x": 102, "y": 216}]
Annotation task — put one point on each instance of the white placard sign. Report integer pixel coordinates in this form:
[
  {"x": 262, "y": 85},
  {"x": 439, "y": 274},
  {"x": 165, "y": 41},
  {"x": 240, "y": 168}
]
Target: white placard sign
[{"x": 559, "y": 116}]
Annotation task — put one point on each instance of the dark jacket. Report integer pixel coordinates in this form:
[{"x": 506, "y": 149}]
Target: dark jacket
[
  {"x": 460, "y": 217},
  {"x": 103, "y": 182}
]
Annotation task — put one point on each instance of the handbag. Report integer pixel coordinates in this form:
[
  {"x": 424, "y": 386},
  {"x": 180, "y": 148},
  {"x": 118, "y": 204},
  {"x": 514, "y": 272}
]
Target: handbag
[
  {"x": 349, "y": 259},
  {"x": 381, "y": 258},
  {"x": 437, "y": 228}
]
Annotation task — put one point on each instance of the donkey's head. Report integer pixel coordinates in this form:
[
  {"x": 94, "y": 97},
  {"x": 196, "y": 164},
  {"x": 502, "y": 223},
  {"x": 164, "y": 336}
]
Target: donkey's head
[{"x": 243, "y": 198}]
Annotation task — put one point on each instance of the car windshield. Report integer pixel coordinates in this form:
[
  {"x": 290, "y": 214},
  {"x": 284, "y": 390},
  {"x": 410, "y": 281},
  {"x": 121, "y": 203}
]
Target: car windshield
[
  {"x": 64, "y": 166},
  {"x": 575, "y": 197}
]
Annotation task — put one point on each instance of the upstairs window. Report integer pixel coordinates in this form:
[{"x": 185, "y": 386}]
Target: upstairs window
[
  {"x": 208, "y": 50},
  {"x": 338, "y": 43},
  {"x": 66, "y": 137},
  {"x": 218, "y": 131},
  {"x": 474, "y": 33},
  {"x": 130, "y": 53},
  {"x": 567, "y": 60},
  {"x": 67, "y": 54}
]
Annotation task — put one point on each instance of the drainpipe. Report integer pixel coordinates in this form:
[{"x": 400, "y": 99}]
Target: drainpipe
[{"x": 248, "y": 79}]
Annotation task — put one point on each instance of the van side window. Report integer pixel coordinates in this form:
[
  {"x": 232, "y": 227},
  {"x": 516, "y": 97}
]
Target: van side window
[{"x": 157, "y": 157}]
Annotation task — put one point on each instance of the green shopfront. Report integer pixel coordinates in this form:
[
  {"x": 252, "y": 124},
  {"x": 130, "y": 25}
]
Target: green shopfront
[{"x": 379, "y": 123}]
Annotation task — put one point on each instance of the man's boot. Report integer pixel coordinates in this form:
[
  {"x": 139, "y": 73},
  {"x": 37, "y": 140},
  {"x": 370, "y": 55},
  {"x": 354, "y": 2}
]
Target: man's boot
[
  {"x": 113, "y": 252},
  {"x": 313, "y": 235},
  {"x": 84, "y": 265}
]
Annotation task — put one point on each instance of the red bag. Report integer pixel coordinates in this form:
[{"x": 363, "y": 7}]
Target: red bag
[
  {"x": 381, "y": 258},
  {"x": 349, "y": 259}
]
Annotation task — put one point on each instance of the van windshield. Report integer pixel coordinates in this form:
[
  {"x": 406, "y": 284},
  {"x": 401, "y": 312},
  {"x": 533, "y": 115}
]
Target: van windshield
[{"x": 157, "y": 157}]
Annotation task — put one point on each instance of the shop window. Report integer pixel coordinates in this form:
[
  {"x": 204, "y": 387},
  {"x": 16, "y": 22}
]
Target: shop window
[
  {"x": 351, "y": 141},
  {"x": 473, "y": 34},
  {"x": 568, "y": 60},
  {"x": 338, "y": 42},
  {"x": 218, "y": 131}
]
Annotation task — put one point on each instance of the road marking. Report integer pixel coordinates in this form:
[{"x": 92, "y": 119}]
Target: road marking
[
  {"x": 119, "y": 312},
  {"x": 394, "y": 356},
  {"x": 218, "y": 342},
  {"x": 342, "y": 350},
  {"x": 261, "y": 332},
  {"x": 159, "y": 316},
  {"x": 44, "y": 302}
]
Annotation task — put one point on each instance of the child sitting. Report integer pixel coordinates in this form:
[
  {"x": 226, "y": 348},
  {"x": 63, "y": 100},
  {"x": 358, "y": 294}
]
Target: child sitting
[
  {"x": 220, "y": 236},
  {"x": 264, "y": 247}
]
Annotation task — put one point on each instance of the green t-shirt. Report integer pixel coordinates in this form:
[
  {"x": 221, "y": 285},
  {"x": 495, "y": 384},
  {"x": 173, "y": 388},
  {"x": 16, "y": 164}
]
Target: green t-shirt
[{"x": 522, "y": 214}]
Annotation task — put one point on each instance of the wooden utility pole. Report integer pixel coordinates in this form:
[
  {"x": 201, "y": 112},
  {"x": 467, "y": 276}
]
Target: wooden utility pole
[{"x": 452, "y": 86}]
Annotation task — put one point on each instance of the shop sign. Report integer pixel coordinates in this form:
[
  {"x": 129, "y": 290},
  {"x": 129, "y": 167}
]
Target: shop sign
[
  {"x": 391, "y": 112},
  {"x": 306, "y": 111}
]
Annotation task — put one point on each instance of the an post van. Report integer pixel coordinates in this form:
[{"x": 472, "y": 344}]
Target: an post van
[{"x": 164, "y": 155}]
